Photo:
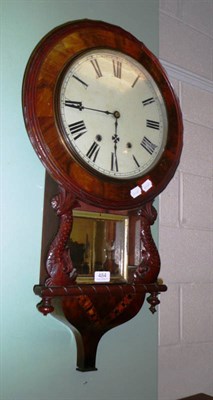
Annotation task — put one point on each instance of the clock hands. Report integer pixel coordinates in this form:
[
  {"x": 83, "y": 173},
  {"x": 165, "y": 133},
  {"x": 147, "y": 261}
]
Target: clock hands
[
  {"x": 115, "y": 138},
  {"x": 78, "y": 105}
]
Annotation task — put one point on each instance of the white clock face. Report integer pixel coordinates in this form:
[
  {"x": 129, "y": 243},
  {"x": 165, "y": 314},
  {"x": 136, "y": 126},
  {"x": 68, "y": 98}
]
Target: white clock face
[{"x": 113, "y": 115}]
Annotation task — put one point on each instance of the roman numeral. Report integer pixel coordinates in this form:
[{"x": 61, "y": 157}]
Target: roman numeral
[
  {"x": 148, "y": 101},
  {"x": 96, "y": 67},
  {"x": 148, "y": 145},
  {"x": 136, "y": 161},
  {"x": 152, "y": 124},
  {"x": 135, "y": 81},
  {"x": 73, "y": 104},
  {"x": 77, "y": 129},
  {"x": 93, "y": 151},
  {"x": 117, "y": 66},
  {"x": 114, "y": 162},
  {"x": 80, "y": 80}
]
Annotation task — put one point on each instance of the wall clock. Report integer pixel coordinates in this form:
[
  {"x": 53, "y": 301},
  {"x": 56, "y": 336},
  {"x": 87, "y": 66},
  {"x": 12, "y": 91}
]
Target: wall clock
[{"x": 105, "y": 122}]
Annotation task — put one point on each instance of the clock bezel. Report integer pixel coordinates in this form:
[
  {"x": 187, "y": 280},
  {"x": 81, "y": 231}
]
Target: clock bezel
[
  {"x": 107, "y": 177},
  {"x": 53, "y": 53}
]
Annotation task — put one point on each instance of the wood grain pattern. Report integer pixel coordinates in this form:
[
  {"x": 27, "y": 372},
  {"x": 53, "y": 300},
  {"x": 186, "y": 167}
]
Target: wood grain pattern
[{"x": 40, "y": 92}]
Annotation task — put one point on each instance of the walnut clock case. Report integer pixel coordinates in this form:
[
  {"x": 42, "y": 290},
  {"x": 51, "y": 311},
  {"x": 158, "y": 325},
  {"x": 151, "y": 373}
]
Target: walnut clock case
[{"x": 104, "y": 120}]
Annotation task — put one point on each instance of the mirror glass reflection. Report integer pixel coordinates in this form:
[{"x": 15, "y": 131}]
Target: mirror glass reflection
[{"x": 98, "y": 242}]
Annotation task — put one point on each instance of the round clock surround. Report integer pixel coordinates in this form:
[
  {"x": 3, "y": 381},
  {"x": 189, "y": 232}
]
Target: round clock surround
[{"x": 99, "y": 173}]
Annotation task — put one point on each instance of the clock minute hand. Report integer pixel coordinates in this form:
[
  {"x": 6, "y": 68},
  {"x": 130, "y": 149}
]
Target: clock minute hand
[
  {"x": 95, "y": 109},
  {"x": 78, "y": 105}
]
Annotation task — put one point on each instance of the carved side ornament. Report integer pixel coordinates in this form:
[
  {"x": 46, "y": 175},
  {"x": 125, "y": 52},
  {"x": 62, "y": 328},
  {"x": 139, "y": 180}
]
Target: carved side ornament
[
  {"x": 59, "y": 264},
  {"x": 149, "y": 267}
]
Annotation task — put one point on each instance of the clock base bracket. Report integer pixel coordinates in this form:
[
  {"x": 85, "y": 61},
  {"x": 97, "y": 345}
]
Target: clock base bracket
[{"x": 92, "y": 310}]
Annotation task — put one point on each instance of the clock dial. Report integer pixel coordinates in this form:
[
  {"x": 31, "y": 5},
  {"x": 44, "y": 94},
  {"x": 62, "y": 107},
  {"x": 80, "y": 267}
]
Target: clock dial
[
  {"x": 102, "y": 115},
  {"x": 112, "y": 114}
]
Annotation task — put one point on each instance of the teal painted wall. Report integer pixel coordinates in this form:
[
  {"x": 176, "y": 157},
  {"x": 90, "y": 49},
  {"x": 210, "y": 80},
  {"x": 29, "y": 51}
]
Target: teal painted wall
[{"x": 38, "y": 354}]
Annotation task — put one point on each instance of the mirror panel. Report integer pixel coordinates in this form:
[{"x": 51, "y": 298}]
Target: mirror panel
[{"x": 99, "y": 242}]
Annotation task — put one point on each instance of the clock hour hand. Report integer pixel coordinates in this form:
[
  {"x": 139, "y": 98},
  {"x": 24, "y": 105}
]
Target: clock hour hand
[
  {"x": 78, "y": 105},
  {"x": 115, "y": 138},
  {"x": 114, "y": 160}
]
